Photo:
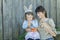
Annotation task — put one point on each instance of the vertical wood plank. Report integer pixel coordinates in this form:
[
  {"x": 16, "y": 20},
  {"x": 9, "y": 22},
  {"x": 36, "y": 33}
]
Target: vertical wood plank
[
  {"x": 53, "y": 10},
  {"x": 8, "y": 23},
  {"x": 58, "y": 13},
  {"x": 47, "y": 6},
  {"x": 0, "y": 22}
]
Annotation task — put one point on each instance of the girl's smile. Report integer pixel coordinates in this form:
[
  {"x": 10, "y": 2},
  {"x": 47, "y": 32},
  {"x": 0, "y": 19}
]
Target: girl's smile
[{"x": 29, "y": 17}]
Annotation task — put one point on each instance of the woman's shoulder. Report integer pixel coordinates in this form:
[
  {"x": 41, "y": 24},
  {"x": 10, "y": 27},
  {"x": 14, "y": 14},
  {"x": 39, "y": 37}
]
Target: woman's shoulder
[{"x": 50, "y": 19}]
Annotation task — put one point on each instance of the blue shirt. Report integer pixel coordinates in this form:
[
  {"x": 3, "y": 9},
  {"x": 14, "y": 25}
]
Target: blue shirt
[{"x": 34, "y": 24}]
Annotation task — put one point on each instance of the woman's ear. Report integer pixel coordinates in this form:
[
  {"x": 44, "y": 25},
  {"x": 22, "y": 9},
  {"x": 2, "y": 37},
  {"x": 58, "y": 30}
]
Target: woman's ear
[{"x": 45, "y": 13}]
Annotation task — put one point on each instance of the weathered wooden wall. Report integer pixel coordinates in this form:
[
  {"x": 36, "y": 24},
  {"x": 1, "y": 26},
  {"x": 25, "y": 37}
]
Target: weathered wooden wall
[
  {"x": 0, "y": 22},
  {"x": 10, "y": 8},
  {"x": 13, "y": 15}
]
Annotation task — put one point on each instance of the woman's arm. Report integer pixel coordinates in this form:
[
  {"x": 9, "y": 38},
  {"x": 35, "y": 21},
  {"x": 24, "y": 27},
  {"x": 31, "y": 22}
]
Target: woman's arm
[
  {"x": 26, "y": 26},
  {"x": 49, "y": 29}
]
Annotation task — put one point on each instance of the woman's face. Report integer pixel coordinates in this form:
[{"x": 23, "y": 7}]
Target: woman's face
[
  {"x": 29, "y": 17},
  {"x": 40, "y": 14}
]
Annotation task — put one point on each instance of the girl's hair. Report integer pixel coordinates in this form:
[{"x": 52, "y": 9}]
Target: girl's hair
[
  {"x": 29, "y": 13},
  {"x": 41, "y": 9}
]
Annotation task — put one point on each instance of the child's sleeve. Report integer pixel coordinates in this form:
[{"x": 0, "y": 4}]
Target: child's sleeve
[
  {"x": 51, "y": 23},
  {"x": 24, "y": 26},
  {"x": 35, "y": 23}
]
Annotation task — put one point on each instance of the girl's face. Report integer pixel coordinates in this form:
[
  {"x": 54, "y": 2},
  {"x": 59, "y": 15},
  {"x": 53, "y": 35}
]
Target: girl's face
[
  {"x": 40, "y": 14},
  {"x": 29, "y": 17}
]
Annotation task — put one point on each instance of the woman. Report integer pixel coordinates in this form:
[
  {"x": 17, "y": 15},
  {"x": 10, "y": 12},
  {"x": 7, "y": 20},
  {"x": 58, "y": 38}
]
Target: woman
[{"x": 46, "y": 25}]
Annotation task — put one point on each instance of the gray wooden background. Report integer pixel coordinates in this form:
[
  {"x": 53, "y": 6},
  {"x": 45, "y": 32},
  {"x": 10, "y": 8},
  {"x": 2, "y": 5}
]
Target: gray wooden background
[{"x": 12, "y": 15}]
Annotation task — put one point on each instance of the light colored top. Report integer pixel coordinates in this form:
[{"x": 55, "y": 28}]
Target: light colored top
[
  {"x": 43, "y": 34},
  {"x": 33, "y": 35},
  {"x": 34, "y": 24}
]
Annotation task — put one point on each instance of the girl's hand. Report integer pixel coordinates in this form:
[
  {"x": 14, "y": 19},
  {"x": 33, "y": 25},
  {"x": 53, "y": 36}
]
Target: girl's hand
[
  {"x": 29, "y": 23},
  {"x": 28, "y": 30}
]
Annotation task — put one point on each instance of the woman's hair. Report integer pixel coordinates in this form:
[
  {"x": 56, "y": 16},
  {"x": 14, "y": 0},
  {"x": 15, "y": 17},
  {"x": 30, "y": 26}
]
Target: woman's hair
[
  {"x": 41, "y": 9},
  {"x": 29, "y": 13}
]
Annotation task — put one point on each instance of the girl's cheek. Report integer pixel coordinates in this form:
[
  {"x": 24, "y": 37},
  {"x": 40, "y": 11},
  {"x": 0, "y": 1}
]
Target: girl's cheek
[{"x": 30, "y": 18}]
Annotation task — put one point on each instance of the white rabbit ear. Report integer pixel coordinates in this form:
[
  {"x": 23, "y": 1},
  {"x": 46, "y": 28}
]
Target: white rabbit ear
[
  {"x": 30, "y": 7},
  {"x": 25, "y": 8}
]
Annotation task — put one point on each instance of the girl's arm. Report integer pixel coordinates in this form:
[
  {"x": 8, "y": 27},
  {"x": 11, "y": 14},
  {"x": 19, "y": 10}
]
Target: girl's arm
[
  {"x": 35, "y": 25},
  {"x": 28, "y": 29}
]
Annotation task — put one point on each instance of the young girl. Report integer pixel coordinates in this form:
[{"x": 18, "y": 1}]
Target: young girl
[
  {"x": 30, "y": 24},
  {"x": 46, "y": 25}
]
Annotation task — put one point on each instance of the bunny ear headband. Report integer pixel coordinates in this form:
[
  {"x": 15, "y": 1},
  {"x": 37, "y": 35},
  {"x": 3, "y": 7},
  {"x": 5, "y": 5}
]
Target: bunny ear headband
[{"x": 28, "y": 9}]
